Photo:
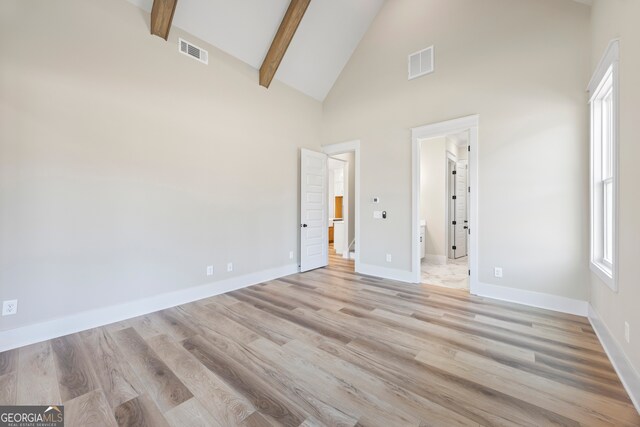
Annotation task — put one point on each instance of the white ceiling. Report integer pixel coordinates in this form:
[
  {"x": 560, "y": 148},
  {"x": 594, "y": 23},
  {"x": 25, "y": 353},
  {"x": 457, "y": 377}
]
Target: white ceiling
[{"x": 324, "y": 42}]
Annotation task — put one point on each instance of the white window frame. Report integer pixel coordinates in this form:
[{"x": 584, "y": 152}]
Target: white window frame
[{"x": 604, "y": 100}]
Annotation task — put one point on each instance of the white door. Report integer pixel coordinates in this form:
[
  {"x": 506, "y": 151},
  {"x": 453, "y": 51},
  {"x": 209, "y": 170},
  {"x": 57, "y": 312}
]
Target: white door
[
  {"x": 461, "y": 209},
  {"x": 314, "y": 232}
]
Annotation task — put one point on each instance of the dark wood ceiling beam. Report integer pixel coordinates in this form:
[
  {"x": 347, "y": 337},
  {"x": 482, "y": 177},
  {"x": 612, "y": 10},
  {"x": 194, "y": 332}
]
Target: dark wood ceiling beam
[
  {"x": 281, "y": 41},
  {"x": 162, "y": 16}
]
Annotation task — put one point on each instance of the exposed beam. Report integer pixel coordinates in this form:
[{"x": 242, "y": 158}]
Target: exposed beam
[
  {"x": 161, "y": 17},
  {"x": 281, "y": 41}
]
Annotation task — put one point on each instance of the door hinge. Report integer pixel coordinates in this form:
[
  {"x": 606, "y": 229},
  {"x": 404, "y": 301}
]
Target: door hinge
[
  {"x": 469, "y": 272},
  {"x": 469, "y": 189},
  {"x": 454, "y": 197},
  {"x": 454, "y": 222},
  {"x": 468, "y": 148},
  {"x": 454, "y": 172},
  {"x": 454, "y": 248}
]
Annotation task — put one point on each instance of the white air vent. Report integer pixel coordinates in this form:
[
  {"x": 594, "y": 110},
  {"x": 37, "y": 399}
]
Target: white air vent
[
  {"x": 193, "y": 51},
  {"x": 421, "y": 63}
]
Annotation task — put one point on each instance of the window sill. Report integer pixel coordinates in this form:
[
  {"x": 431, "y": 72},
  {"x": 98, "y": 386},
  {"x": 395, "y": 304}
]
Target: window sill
[{"x": 605, "y": 274}]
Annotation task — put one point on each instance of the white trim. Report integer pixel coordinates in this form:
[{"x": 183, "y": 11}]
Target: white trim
[
  {"x": 628, "y": 375},
  {"x": 435, "y": 259},
  {"x": 610, "y": 59},
  {"x": 611, "y": 55},
  {"x": 347, "y": 147},
  {"x": 470, "y": 123},
  {"x": 386, "y": 273},
  {"x": 61, "y": 326},
  {"x": 533, "y": 299}
]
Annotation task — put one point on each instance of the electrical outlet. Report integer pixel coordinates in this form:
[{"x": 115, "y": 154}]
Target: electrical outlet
[
  {"x": 9, "y": 307},
  {"x": 626, "y": 332},
  {"x": 229, "y": 267},
  {"x": 377, "y": 214},
  {"x": 210, "y": 270},
  {"x": 290, "y": 254},
  {"x": 388, "y": 257},
  {"x": 497, "y": 272}
]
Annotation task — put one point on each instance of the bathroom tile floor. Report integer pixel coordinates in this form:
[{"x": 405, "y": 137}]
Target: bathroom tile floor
[{"x": 454, "y": 274}]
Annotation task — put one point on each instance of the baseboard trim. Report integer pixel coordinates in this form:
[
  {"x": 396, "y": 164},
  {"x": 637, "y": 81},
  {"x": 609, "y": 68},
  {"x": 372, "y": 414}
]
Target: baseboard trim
[
  {"x": 385, "y": 273},
  {"x": 628, "y": 375},
  {"x": 531, "y": 298},
  {"x": 54, "y": 328},
  {"x": 436, "y": 259}
]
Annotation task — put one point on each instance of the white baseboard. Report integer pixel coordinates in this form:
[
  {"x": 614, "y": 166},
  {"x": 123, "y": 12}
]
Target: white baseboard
[
  {"x": 531, "y": 298},
  {"x": 436, "y": 259},
  {"x": 628, "y": 375},
  {"x": 54, "y": 328},
  {"x": 385, "y": 273}
]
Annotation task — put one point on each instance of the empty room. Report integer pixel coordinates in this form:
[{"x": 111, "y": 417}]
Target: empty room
[{"x": 319, "y": 213}]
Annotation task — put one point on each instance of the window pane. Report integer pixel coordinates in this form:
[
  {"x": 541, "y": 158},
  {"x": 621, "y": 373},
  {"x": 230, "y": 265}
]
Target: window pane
[
  {"x": 608, "y": 221},
  {"x": 607, "y": 135}
]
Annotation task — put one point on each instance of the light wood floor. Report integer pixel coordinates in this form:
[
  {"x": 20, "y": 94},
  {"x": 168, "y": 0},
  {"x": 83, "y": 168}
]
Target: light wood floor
[{"x": 328, "y": 347}]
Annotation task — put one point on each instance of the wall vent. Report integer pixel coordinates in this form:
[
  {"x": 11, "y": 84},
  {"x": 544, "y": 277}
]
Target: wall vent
[
  {"x": 421, "y": 63},
  {"x": 193, "y": 51}
]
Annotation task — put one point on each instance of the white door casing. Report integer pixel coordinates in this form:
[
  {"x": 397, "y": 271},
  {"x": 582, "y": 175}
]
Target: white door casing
[{"x": 314, "y": 233}]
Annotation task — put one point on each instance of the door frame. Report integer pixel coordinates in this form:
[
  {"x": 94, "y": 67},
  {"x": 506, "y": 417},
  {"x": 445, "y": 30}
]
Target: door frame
[
  {"x": 440, "y": 129},
  {"x": 342, "y": 148}
]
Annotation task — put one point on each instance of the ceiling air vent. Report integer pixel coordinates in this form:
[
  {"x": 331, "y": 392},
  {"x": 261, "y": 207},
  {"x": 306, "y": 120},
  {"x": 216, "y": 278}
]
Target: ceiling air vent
[
  {"x": 193, "y": 51},
  {"x": 421, "y": 63}
]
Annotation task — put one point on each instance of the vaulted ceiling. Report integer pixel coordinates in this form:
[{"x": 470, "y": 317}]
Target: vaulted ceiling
[{"x": 322, "y": 45}]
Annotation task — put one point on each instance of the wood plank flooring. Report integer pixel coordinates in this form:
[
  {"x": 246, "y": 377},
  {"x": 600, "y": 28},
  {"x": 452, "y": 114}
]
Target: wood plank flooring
[{"x": 327, "y": 347}]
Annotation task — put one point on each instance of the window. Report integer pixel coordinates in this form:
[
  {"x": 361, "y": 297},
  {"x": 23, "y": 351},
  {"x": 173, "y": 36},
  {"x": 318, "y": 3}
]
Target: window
[{"x": 603, "y": 91}]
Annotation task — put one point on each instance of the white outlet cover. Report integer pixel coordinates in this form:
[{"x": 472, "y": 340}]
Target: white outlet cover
[
  {"x": 388, "y": 257},
  {"x": 377, "y": 214},
  {"x": 291, "y": 255},
  {"x": 230, "y": 267},
  {"x": 497, "y": 272},
  {"x": 9, "y": 307},
  {"x": 210, "y": 270}
]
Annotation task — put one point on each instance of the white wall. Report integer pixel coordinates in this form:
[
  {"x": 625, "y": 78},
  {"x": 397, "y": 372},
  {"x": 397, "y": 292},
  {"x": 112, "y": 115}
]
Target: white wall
[
  {"x": 433, "y": 188},
  {"x": 523, "y": 67},
  {"x": 613, "y": 19},
  {"x": 126, "y": 167}
]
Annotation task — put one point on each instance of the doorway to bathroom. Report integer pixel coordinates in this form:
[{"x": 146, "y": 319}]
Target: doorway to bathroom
[{"x": 444, "y": 212}]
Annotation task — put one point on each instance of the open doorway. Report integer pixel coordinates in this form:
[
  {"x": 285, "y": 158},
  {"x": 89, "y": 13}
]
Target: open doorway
[
  {"x": 444, "y": 203},
  {"x": 343, "y": 188},
  {"x": 443, "y": 210},
  {"x": 339, "y": 207}
]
